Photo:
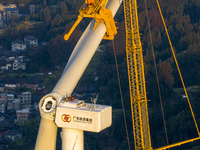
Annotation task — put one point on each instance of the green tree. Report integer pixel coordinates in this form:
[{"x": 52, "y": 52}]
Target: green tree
[
  {"x": 47, "y": 16},
  {"x": 64, "y": 10},
  {"x": 14, "y": 19},
  {"x": 57, "y": 21},
  {"x": 165, "y": 74},
  {"x": 41, "y": 15}
]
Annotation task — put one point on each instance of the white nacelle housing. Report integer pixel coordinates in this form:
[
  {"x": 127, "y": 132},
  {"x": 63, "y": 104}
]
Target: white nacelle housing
[{"x": 83, "y": 116}]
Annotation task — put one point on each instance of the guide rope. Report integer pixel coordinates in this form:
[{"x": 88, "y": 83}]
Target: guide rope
[
  {"x": 178, "y": 67},
  {"x": 158, "y": 84},
  {"x": 120, "y": 89}
]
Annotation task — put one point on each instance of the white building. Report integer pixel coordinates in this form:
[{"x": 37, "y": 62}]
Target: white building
[
  {"x": 5, "y": 65},
  {"x": 31, "y": 40},
  {"x": 32, "y": 9},
  {"x": 12, "y": 84},
  {"x": 15, "y": 104},
  {"x": 25, "y": 99},
  {"x": 10, "y": 97},
  {"x": 18, "y": 64},
  {"x": 6, "y": 13},
  {"x": 18, "y": 45}
]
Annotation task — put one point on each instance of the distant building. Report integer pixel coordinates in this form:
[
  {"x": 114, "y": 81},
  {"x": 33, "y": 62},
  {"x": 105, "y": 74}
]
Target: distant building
[
  {"x": 15, "y": 105},
  {"x": 18, "y": 45},
  {"x": 30, "y": 86},
  {"x": 31, "y": 40},
  {"x": 6, "y": 13},
  {"x": 11, "y": 83},
  {"x": 11, "y": 12},
  {"x": 4, "y": 100},
  {"x": 5, "y": 65},
  {"x": 32, "y": 9},
  {"x": 25, "y": 99},
  {"x": 18, "y": 64},
  {"x": 12, "y": 63},
  {"x": 2, "y": 15},
  {"x": 22, "y": 115},
  {"x": 10, "y": 97},
  {"x": 10, "y": 58},
  {"x": 11, "y": 6}
]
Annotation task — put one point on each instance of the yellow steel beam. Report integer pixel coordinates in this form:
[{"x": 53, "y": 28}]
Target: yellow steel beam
[
  {"x": 137, "y": 87},
  {"x": 177, "y": 144},
  {"x": 66, "y": 36}
]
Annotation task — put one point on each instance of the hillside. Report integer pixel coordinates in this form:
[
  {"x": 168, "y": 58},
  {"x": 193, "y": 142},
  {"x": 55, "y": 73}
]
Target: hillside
[{"x": 55, "y": 17}]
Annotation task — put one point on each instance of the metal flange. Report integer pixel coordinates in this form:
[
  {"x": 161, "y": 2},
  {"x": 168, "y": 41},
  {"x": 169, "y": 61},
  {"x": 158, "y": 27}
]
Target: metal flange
[{"x": 48, "y": 105}]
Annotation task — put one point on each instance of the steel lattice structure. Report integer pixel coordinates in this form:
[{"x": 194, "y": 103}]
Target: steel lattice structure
[{"x": 137, "y": 87}]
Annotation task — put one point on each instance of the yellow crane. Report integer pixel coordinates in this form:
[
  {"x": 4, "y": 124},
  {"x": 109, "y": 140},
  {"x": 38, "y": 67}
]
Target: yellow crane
[
  {"x": 134, "y": 62},
  {"x": 137, "y": 88},
  {"x": 48, "y": 106},
  {"x": 96, "y": 9}
]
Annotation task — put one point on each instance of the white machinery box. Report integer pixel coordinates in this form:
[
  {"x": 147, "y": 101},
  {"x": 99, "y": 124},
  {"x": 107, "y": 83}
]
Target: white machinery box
[{"x": 83, "y": 116}]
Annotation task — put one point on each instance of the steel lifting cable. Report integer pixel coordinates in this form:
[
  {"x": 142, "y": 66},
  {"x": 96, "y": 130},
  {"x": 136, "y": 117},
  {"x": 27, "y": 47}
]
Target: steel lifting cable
[
  {"x": 158, "y": 84},
  {"x": 178, "y": 67},
  {"x": 120, "y": 89}
]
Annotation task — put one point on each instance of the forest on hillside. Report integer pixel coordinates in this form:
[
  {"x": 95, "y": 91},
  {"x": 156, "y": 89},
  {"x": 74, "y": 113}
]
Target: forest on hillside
[{"x": 182, "y": 18}]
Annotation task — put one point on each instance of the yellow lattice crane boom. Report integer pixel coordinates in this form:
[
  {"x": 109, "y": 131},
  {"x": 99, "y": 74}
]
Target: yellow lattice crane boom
[{"x": 137, "y": 88}]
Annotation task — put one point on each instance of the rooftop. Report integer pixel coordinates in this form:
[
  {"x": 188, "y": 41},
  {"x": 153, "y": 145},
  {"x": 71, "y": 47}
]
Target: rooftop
[
  {"x": 23, "y": 111},
  {"x": 18, "y": 42},
  {"x": 30, "y": 38},
  {"x": 11, "y": 9},
  {"x": 26, "y": 92}
]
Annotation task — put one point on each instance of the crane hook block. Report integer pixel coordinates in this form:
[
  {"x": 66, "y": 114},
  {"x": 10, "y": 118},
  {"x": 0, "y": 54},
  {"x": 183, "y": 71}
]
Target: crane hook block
[{"x": 96, "y": 9}]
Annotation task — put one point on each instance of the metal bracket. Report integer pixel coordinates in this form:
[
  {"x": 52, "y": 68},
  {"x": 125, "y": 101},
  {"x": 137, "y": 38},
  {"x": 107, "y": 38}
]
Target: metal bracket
[{"x": 96, "y": 9}]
